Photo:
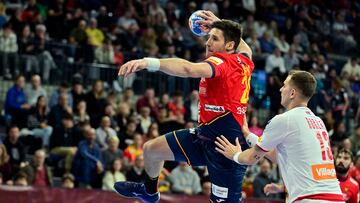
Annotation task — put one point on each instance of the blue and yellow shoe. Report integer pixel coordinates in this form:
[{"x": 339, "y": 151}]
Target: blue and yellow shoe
[{"x": 136, "y": 190}]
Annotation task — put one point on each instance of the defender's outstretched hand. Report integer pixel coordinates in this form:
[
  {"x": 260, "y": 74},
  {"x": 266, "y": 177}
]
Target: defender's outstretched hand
[
  {"x": 226, "y": 148},
  {"x": 132, "y": 67}
]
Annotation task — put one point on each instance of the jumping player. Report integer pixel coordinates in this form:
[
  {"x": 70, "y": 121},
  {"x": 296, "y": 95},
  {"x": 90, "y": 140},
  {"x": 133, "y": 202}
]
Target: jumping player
[{"x": 224, "y": 92}]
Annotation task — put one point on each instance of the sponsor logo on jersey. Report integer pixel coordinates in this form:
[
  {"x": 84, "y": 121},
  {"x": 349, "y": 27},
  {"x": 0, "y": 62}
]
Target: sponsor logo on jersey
[
  {"x": 215, "y": 60},
  {"x": 323, "y": 171},
  {"x": 214, "y": 108}
]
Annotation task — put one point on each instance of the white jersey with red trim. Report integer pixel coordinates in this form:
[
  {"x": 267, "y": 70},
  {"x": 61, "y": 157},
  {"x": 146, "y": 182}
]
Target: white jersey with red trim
[{"x": 303, "y": 154}]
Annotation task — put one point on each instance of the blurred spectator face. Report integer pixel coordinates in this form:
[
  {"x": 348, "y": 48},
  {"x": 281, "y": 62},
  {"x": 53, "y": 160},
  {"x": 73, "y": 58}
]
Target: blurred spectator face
[
  {"x": 183, "y": 166},
  {"x": 341, "y": 128},
  {"x": 150, "y": 93},
  {"x": 26, "y": 31},
  {"x": 82, "y": 24},
  {"x": 343, "y": 162},
  {"x": 265, "y": 167},
  {"x": 81, "y": 106},
  {"x": 113, "y": 144},
  {"x": 124, "y": 109},
  {"x": 68, "y": 123},
  {"x": 145, "y": 112},
  {"x": 41, "y": 101},
  {"x": 90, "y": 135},
  {"x": 14, "y": 134},
  {"x": 139, "y": 161},
  {"x": 353, "y": 61},
  {"x": 105, "y": 122},
  {"x": 163, "y": 113},
  {"x": 63, "y": 100},
  {"x": 35, "y": 81},
  {"x": 39, "y": 157},
  {"x": 128, "y": 93},
  {"x": 103, "y": 10},
  {"x": 165, "y": 99},
  {"x": 254, "y": 121},
  {"x": 109, "y": 110},
  {"x": 357, "y": 132},
  {"x": 138, "y": 140},
  {"x": 93, "y": 23},
  {"x": 277, "y": 52},
  {"x": 334, "y": 150},
  {"x": 98, "y": 87},
  {"x": 117, "y": 165},
  {"x": 78, "y": 88},
  {"x": 131, "y": 127},
  {"x": 20, "y": 82},
  {"x": 347, "y": 144},
  {"x": 206, "y": 188}
]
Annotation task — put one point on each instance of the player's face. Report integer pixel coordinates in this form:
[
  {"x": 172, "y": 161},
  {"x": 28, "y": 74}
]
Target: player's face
[
  {"x": 342, "y": 163},
  {"x": 286, "y": 92},
  {"x": 215, "y": 43}
]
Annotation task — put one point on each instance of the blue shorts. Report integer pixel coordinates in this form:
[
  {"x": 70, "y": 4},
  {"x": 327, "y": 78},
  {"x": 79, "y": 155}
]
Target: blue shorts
[{"x": 196, "y": 147}]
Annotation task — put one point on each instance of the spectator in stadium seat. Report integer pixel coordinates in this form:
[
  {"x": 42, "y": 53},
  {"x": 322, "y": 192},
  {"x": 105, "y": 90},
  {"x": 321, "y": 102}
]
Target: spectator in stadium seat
[
  {"x": 191, "y": 106},
  {"x": 37, "y": 121},
  {"x": 355, "y": 169},
  {"x": 263, "y": 178},
  {"x": 104, "y": 132},
  {"x": 152, "y": 132},
  {"x": 113, "y": 152},
  {"x": 38, "y": 173},
  {"x": 64, "y": 141},
  {"x": 355, "y": 140},
  {"x": 34, "y": 90},
  {"x": 137, "y": 172},
  {"x": 126, "y": 137},
  {"x": 62, "y": 89},
  {"x": 15, "y": 148},
  {"x": 16, "y": 105},
  {"x": 134, "y": 150},
  {"x": 267, "y": 43},
  {"x": 291, "y": 59},
  {"x": 185, "y": 180},
  {"x": 113, "y": 175},
  {"x": 95, "y": 35},
  {"x": 275, "y": 61},
  {"x": 21, "y": 179},
  {"x": 123, "y": 113},
  {"x": 145, "y": 119},
  {"x": 254, "y": 126},
  {"x": 96, "y": 102},
  {"x": 148, "y": 100},
  {"x": 27, "y": 52},
  {"x": 80, "y": 115},
  {"x": 58, "y": 111},
  {"x": 77, "y": 92},
  {"x": 8, "y": 52},
  {"x": 353, "y": 68},
  {"x": 88, "y": 166}
]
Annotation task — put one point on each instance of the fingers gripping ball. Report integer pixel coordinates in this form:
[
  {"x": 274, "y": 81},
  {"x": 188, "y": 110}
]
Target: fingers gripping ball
[{"x": 196, "y": 27}]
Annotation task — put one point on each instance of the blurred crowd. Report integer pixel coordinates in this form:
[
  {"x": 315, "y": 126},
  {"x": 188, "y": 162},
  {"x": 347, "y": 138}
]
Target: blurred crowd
[{"x": 92, "y": 136}]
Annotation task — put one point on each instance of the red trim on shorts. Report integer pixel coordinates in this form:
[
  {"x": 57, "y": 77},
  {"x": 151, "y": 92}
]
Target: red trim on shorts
[
  {"x": 262, "y": 148},
  {"x": 323, "y": 196}
]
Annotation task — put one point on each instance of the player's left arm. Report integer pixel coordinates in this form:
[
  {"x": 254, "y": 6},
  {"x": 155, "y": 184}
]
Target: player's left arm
[{"x": 234, "y": 152}]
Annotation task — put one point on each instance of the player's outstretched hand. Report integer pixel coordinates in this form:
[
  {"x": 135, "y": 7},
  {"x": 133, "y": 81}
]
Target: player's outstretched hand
[
  {"x": 209, "y": 18},
  {"x": 132, "y": 67},
  {"x": 226, "y": 148},
  {"x": 273, "y": 188}
]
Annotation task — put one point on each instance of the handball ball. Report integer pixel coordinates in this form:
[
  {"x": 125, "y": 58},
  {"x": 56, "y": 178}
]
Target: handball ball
[{"x": 195, "y": 27}]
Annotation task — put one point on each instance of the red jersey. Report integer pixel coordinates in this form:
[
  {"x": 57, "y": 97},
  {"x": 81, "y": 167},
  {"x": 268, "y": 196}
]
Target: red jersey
[
  {"x": 355, "y": 173},
  {"x": 228, "y": 88},
  {"x": 350, "y": 189}
]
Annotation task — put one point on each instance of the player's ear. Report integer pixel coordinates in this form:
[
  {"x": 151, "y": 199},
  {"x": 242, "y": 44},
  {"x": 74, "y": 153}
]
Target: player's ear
[
  {"x": 292, "y": 94},
  {"x": 230, "y": 46}
]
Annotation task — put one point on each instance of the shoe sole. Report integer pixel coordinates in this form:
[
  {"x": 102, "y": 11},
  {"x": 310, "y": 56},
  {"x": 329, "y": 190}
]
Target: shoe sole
[{"x": 132, "y": 197}]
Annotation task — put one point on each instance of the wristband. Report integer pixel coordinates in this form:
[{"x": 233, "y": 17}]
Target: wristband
[
  {"x": 236, "y": 157},
  {"x": 252, "y": 139},
  {"x": 153, "y": 64}
]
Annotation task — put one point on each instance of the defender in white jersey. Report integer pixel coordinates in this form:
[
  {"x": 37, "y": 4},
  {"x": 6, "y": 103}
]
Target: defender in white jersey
[{"x": 298, "y": 141}]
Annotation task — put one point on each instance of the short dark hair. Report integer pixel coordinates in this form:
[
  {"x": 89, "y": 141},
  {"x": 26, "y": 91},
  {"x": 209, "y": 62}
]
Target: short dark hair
[
  {"x": 232, "y": 30},
  {"x": 304, "y": 81},
  {"x": 345, "y": 151}
]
